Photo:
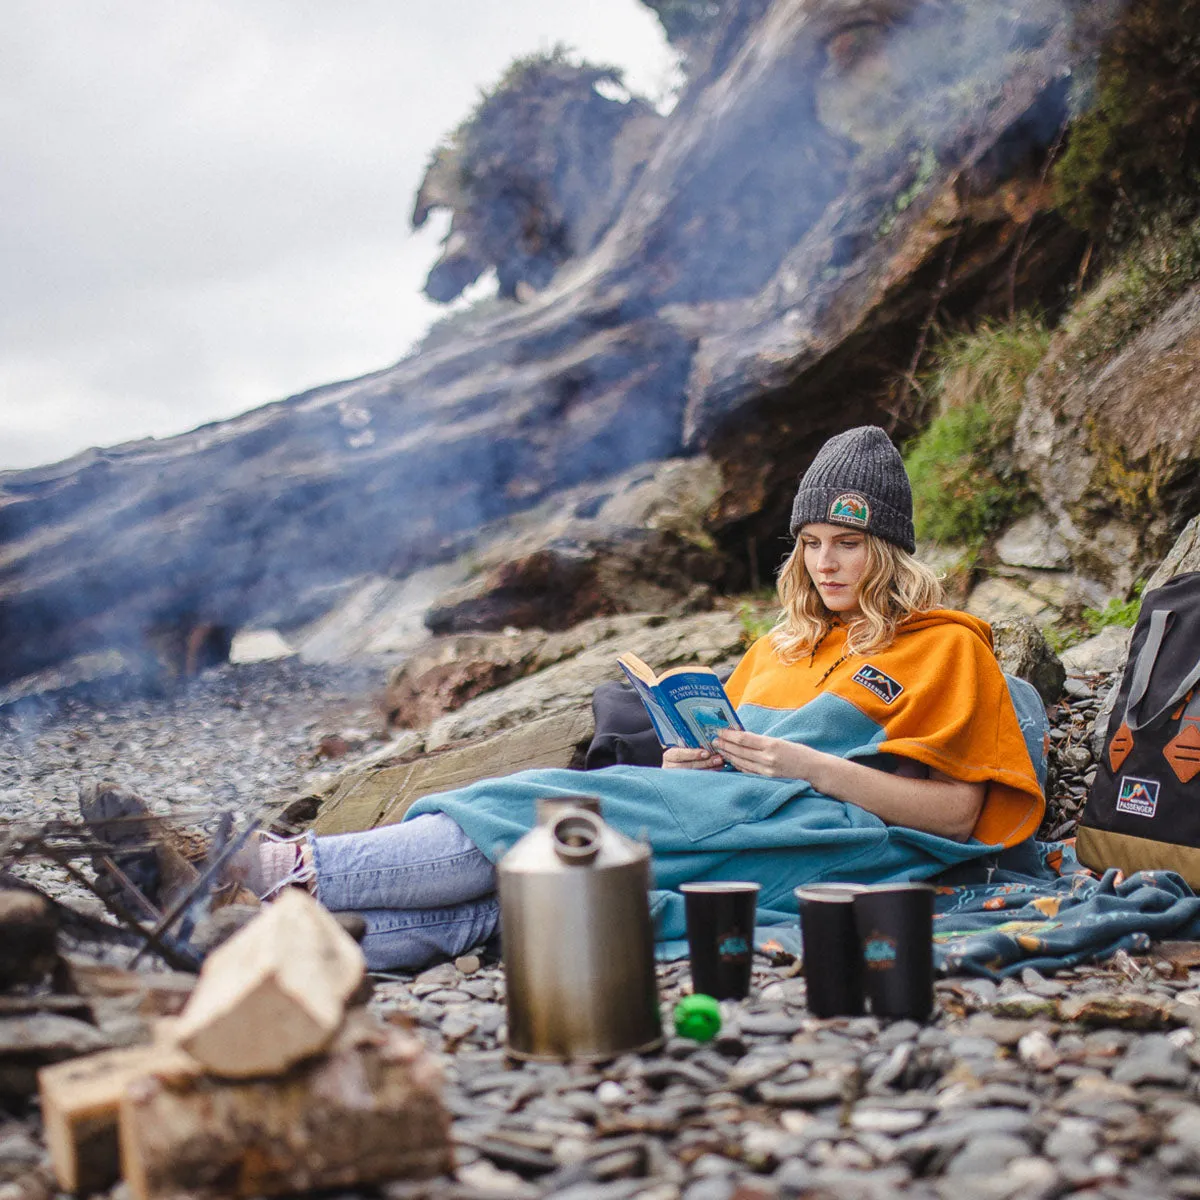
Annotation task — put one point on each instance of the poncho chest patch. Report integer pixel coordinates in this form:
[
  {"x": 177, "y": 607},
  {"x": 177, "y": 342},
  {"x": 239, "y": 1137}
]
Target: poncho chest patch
[{"x": 876, "y": 681}]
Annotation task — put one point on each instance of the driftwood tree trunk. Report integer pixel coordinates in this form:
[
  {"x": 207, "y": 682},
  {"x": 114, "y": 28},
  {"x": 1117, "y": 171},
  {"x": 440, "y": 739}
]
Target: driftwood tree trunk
[{"x": 765, "y": 282}]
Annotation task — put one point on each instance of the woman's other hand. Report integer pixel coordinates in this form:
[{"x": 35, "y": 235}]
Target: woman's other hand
[
  {"x": 680, "y": 757},
  {"x": 756, "y": 754}
]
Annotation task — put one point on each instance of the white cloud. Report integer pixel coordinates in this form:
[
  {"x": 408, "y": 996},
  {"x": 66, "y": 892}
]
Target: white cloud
[{"x": 205, "y": 203}]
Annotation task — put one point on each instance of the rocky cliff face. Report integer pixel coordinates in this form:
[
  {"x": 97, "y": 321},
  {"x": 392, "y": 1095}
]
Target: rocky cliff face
[
  {"x": 839, "y": 177},
  {"x": 1109, "y": 430}
]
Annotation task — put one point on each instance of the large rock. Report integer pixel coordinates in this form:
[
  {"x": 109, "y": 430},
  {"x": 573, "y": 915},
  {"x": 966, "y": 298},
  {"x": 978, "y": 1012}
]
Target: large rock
[
  {"x": 1033, "y": 542},
  {"x": 452, "y": 670},
  {"x": 541, "y": 719},
  {"x": 996, "y": 599},
  {"x": 765, "y": 281},
  {"x": 1184, "y": 556},
  {"x": 1022, "y": 650},
  {"x": 366, "y": 798},
  {"x": 708, "y": 638},
  {"x": 1113, "y": 441},
  {"x": 636, "y": 540},
  {"x": 1102, "y": 654}
]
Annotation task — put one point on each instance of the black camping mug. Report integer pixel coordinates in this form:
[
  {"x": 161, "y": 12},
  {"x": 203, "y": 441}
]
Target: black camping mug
[
  {"x": 895, "y": 931},
  {"x": 833, "y": 970},
  {"x": 720, "y": 932}
]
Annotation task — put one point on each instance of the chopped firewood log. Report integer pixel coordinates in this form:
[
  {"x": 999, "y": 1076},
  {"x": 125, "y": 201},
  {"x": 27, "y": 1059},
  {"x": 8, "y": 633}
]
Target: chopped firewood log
[
  {"x": 273, "y": 994},
  {"x": 154, "y": 993},
  {"x": 367, "y": 1111},
  {"x": 28, "y": 937},
  {"x": 79, "y": 1111}
]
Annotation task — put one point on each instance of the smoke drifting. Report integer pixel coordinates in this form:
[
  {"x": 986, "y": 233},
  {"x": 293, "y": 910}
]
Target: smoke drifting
[{"x": 764, "y": 277}]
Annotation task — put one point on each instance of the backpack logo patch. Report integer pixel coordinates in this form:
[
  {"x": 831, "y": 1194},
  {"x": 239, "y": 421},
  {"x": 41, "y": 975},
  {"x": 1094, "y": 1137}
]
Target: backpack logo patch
[
  {"x": 1138, "y": 797},
  {"x": 851, "y": 508},
  {"x": 874, "y": 680}
]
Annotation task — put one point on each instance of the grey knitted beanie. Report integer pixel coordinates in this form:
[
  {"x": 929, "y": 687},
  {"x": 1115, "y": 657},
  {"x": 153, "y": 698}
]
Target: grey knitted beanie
[{"x": 858, "y": 479}]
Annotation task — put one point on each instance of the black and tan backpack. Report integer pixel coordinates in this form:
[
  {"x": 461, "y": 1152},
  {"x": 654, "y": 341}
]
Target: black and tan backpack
[{"x": 1143, "y": 809}]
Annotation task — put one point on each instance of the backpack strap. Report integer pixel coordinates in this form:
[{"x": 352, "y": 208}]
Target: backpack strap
[{"x": 1140, "y": 681}]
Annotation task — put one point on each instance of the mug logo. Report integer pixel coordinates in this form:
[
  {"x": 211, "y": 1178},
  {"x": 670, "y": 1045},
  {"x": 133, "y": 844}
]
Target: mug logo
[
  {"x": 879, "y": 952},
  {"x": 1139, "y": 797},
  {"x": 851, "y": 508},
  {"x": 733, "y": 946},
  {"x": 874, "y": 680}
]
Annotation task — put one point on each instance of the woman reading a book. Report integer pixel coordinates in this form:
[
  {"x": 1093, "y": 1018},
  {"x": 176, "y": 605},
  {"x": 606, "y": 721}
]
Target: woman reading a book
[{"x": 880, "y": 743}]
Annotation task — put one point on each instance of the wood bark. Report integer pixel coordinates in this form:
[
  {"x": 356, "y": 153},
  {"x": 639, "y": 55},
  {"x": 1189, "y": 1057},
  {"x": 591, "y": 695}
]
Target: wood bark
[
  {"x": 367, "y": 1112},
  {"x": 273, "y": 994},
  {"x": 155, "y": 994}
]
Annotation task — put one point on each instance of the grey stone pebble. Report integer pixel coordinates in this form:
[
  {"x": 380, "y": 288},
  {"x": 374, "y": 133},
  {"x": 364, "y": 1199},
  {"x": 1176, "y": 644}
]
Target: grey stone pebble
[
  {"x": 893, "y": 1066},
  {"x": 890, "y": 1121},
  {"x": 447, "y": 996},
  {"x": 754, "y": 1069},
  {"x": 781, "y": 1103},
  {"x": 812, "y": 1093},
  {"x": 951, "y": 1133},
  {"x": 711, "y": 1188},
  {"x": 987, "y": 1154},
  {"x": 974, "y": 1047},
  {"x": 20, "y": 1152},
  {"x": 770, "y": 1025},
  {"x": 1153, "y": 1059},
  {"x": 1072, "y": 1137}
]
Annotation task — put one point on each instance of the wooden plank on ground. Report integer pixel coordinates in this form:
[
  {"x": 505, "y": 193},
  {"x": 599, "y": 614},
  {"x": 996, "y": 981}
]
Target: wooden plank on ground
[{"x": 382, "y": 797}]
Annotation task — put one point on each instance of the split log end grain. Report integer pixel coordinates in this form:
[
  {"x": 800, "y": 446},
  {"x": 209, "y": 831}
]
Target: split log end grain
[
  {"x": 79, "y": 1110},
  {"x": 275, "y": 993}
]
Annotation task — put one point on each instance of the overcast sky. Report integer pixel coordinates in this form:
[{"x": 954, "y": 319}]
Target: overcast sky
[{"x": 204, "y": 204}]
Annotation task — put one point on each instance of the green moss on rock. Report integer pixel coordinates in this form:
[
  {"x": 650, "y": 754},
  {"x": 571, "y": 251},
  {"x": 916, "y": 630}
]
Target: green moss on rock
[
  {"x": 1135, "y": 148},
  {"x": 965, "y": 482}
]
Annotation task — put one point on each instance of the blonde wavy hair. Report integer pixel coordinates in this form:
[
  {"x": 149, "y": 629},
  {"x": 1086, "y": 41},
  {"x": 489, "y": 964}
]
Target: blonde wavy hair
[{"x": 895, "y": 585}]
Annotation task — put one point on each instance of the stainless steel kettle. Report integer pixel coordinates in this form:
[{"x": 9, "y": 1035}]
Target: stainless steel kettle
[{"x": 577, "y": 939}]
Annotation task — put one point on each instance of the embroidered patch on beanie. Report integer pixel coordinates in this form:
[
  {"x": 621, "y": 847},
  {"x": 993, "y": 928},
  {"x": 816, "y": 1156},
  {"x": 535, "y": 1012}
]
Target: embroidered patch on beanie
[{"x": 851, "y": 508}]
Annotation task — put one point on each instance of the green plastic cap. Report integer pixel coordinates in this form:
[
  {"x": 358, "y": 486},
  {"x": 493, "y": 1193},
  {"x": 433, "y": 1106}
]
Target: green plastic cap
[{"x": 698, "y": 1017}]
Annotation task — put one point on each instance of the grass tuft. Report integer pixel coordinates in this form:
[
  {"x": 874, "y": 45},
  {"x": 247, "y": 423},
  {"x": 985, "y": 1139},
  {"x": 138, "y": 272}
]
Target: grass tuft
[{"x": 965, "y": 483}]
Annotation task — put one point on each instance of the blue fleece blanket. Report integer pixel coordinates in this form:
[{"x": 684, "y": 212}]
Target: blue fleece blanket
[
  {"x": 725, "y": 825},
  {"x": 1050, "y": 913},
  {"x": 999, "y": 929}
]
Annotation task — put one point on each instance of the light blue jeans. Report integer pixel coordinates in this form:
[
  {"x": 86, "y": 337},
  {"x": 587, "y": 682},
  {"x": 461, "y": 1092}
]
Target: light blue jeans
[{"x": 423, "y": 887}]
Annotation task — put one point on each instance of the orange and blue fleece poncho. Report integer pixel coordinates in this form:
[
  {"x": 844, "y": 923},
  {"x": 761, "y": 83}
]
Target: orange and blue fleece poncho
[{"x": 936, "y": 697}]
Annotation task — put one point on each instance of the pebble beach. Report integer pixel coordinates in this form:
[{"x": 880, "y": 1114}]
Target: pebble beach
[{"x": 1084, "y": 1084}]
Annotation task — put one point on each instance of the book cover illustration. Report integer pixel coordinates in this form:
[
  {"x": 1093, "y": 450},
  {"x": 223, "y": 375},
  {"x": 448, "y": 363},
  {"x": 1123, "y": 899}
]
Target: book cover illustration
[{"x": 687, "y": 705}]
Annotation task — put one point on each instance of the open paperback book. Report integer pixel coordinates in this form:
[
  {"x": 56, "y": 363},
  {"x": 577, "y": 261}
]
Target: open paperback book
[{"x": 687, "y": 705}]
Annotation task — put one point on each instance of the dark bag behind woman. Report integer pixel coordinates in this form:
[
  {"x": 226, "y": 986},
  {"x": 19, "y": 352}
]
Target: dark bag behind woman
[{"x": 1143, "y": 810}]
